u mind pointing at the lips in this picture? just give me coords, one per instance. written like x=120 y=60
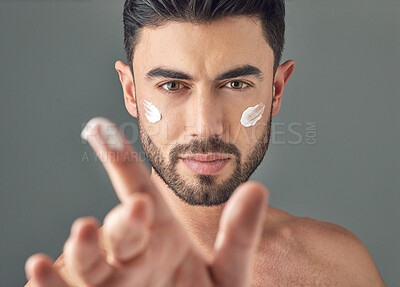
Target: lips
x=205 y=163
x=206 y=157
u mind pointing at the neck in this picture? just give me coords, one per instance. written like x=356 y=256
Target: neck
x=201 y=222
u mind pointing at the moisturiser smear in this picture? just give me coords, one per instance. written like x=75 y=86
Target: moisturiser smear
x=251 y=115
x=152 y=114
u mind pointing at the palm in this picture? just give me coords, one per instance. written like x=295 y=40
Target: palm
x=142 y=244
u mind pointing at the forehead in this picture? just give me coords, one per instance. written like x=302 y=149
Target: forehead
x=204 y=48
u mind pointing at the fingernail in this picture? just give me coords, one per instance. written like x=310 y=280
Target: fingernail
x=138 y=211
x=82 y=232
x=28 y=268
x=88 y=235
x=109 y=133
x=35 y=265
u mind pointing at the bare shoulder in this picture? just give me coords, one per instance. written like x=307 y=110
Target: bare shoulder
x=316 y=253
x=341 y=246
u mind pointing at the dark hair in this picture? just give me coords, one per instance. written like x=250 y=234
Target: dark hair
x=154 y=13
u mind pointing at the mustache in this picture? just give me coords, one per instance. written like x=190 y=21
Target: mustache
x=212 y=144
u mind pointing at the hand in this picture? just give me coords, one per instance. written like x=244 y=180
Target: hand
x=144 y=245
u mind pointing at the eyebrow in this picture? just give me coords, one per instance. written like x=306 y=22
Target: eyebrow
x=246 y=70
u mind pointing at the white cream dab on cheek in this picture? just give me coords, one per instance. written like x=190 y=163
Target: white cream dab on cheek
x=152 y=113
x=251 y=115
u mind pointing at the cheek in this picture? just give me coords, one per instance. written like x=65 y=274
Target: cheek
x=151 y=120
x=249 y=125
x=252 y=115
x=151 y=112
x=170 y=129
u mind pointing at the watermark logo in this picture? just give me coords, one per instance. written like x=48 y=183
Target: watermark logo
x=281 y=133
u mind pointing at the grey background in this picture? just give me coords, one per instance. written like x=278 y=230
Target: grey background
x=57 y=72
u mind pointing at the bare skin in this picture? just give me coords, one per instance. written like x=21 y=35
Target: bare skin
x=259 y=246
x=293 y=251
x=155 y=239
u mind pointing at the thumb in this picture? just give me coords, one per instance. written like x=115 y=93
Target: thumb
x=239 y=235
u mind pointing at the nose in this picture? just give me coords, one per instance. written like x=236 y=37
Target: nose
x=206 y=115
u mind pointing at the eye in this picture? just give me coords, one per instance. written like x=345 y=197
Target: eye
x=170 y=86
x=238 y=85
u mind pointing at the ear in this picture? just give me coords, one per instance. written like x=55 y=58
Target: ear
x=126 y=79
x=282 y=75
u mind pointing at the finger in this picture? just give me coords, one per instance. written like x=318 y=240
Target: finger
x=41 y=273
x=122 y=163
x=193 y=271
x=126 y=229
x=83 y=255
x=239 y=234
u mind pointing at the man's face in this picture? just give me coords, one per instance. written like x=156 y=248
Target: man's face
x=204 y=113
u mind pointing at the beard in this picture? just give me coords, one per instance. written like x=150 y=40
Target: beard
x=204 y=191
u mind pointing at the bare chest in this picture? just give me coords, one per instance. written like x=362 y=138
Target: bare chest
x=289 y=263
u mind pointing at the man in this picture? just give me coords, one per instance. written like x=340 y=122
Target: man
x=204 y=81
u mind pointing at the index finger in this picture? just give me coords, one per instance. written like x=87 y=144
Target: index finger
x=127 y=173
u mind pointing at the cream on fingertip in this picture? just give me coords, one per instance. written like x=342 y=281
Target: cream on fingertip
x=110 y=134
